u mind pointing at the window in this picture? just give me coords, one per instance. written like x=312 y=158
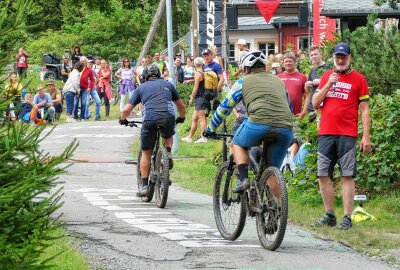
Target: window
x=267 y=48
x=303 y=44
x=231 y=52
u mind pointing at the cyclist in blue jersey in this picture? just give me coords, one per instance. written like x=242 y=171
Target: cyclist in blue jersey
x=267 y=103
x=156 y=96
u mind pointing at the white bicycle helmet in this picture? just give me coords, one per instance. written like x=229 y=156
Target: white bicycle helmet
x=253 y=57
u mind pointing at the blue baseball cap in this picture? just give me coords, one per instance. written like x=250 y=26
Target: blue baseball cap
x=342 y=48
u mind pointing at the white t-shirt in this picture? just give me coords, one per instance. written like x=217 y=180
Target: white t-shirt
x=126 y=73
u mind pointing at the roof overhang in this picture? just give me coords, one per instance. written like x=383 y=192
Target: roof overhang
x=361 y=8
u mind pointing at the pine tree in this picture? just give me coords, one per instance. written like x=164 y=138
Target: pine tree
x=29 y=195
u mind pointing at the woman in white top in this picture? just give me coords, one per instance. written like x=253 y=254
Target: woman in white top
x=72 y=89
x=127 y=75
x=188 y=71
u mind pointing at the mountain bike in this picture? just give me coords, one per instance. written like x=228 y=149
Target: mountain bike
x=266 y=199
x=159 y=171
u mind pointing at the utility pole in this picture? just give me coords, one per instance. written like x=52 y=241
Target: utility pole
x=152 y=32
x=175 y=145
x=195 y=48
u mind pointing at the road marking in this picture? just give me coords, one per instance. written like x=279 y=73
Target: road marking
x=166 y=224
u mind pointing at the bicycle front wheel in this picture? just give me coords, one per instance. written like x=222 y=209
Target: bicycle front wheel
x=149 y=196
x=229 y=211
x=271 y=222
x=162 y=182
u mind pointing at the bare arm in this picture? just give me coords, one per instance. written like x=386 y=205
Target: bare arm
x=305 y=105
x=127 y=110
x=181 y=108
x=365 y=144
x=221 y=81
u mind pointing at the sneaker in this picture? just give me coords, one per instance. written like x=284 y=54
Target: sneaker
x=73 y=120
x=143 y=191
x=201 y=140
x=241 y=185
x=82 y=120
x=327 y=220
x=97 y=119
x=171 y=162
x=186 y=139
x=68 y=120
x=345 y=224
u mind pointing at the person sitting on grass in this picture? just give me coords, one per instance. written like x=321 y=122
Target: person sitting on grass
x=29 y=111
x=45 y=103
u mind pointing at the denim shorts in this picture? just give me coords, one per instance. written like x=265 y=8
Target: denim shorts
x=251 y=134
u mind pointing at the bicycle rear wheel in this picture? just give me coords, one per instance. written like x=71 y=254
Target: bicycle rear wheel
x=271 y=222
x=229 y=211
x=162 y=182
x=149 y=197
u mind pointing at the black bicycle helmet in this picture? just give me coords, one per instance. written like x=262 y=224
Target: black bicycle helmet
x=151 y=71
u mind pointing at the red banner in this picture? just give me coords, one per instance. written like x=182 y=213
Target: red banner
x=323 y=26
x=267 y=8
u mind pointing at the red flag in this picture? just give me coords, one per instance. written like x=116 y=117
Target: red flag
x=267 y=8
x=323 y=27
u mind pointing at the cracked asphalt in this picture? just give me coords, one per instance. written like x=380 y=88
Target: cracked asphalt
x=115 y=230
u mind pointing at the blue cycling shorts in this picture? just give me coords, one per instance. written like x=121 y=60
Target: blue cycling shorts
x=251 y=134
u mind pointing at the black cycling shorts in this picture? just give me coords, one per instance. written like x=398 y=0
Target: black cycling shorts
x=149 y=131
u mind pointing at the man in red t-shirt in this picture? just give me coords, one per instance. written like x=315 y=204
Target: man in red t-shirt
x=295 y=85
x=340 y=92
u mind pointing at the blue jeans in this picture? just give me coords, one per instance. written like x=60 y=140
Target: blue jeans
x=251 y=134
x=83 y=98
x=69 y=99
x=96 y=98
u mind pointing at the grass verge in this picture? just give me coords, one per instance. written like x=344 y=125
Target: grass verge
x=66 y=254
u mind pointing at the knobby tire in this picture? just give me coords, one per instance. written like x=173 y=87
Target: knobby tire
x=230 y=216
x=162 y=183
x=271 y=222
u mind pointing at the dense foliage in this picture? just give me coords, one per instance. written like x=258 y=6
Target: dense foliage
x=375 y=171
x=110 y=29
x=27 y=175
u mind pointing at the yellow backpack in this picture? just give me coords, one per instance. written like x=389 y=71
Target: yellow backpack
x=210 y=84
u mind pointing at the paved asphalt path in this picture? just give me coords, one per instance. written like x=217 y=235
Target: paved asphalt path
x=118 y=231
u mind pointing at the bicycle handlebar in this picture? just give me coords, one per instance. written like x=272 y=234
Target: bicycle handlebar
x=133 y=123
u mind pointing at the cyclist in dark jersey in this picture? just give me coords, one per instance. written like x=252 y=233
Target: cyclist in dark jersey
x=156 y=96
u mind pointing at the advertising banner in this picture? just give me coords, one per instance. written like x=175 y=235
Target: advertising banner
x=210 y=24
x=324 y=27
